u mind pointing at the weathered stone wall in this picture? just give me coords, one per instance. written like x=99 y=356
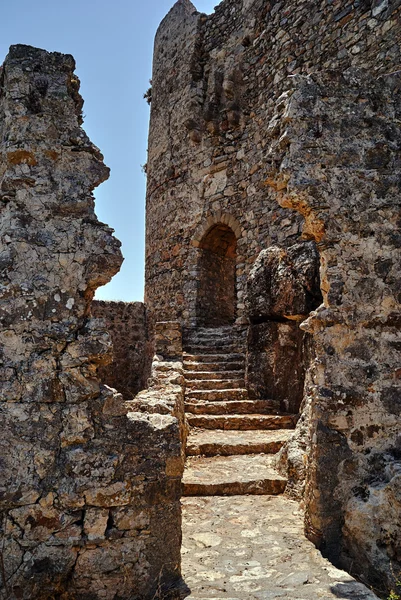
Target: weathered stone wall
x=87 y=484
x=126 y=323
x=335 y=157
x=165 y=394
x=215 y=84
x=217 y=109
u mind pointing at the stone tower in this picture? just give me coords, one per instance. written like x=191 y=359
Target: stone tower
x=216 y=82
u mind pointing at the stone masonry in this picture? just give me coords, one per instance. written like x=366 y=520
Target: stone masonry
x=283 y=288
x=274 y=153
x=335 y=158
x=87 y=482
x=279 y=122
x=216 y=80
x=126 y=323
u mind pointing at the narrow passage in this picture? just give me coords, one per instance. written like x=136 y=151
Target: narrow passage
x=242 y=539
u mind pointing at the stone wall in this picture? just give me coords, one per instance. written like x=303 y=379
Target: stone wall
x=231 y=144
x=339 y=166
x=126 y=323
x=216 y=80
x=87 y=482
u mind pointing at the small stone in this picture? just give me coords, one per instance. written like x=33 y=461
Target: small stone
x=207 y=540
x=95 y=523
x=379 y=8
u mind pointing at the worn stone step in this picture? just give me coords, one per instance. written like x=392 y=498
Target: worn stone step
x=220 y=348
x=215 y=384
x=209 y=375
x=232 y=407
x=214 y=333
x=213 y=358
x=210 y=340
x=232 y=476
x=219 y=395
x=209 y=330
x=217 y=367
x=242 y=422
x=229 y=443
x=218 y=343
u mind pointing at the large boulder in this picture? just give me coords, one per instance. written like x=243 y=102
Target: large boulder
x=284 y=283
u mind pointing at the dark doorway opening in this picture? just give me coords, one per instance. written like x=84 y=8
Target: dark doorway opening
x=216 y=299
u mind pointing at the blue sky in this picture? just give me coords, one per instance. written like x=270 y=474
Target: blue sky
x=112 y=43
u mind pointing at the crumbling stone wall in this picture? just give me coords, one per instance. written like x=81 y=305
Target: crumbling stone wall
x=335 y=153
x=87 y=483
x=126 y=323
x=216 y=80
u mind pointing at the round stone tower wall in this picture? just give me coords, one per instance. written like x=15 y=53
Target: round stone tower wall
x=216 y=82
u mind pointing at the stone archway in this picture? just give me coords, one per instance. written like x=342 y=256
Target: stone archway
x=216 y=292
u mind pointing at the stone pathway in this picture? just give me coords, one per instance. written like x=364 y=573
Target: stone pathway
x=253 y=548
x=241 y=538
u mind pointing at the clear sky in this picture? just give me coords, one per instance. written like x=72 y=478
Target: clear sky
x=112 y=43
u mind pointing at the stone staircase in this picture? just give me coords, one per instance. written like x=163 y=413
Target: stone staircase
x=232 y=439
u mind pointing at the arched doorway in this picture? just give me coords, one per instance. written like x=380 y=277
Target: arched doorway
x=216 y=297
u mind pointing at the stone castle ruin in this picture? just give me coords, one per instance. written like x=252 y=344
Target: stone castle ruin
x=272 y=300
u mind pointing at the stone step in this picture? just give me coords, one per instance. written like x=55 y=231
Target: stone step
x=230 y=443
x=219 y=395
x=213 y=358
x=220 y=348
x=214 y=333
x=209 y=330
x=213 y=367
x=218 y=343
x=215 y=384
x=232 y=407
x=209 y=375
x=208 y=340
x=242 y=422
x=232 y=476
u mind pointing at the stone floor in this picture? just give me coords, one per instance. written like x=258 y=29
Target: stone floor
x=253 y=547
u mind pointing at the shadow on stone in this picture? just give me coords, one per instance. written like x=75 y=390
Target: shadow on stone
x=351 y=589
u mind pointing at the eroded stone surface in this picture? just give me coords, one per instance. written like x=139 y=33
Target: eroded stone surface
x=284 y=283
x=242 y=422
x=350 y=196
x=126 y=323
x=225 y=443
x=282 y=288
x=215 y=83
x=227 y=147
x=86 y=482
x=253 y=548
